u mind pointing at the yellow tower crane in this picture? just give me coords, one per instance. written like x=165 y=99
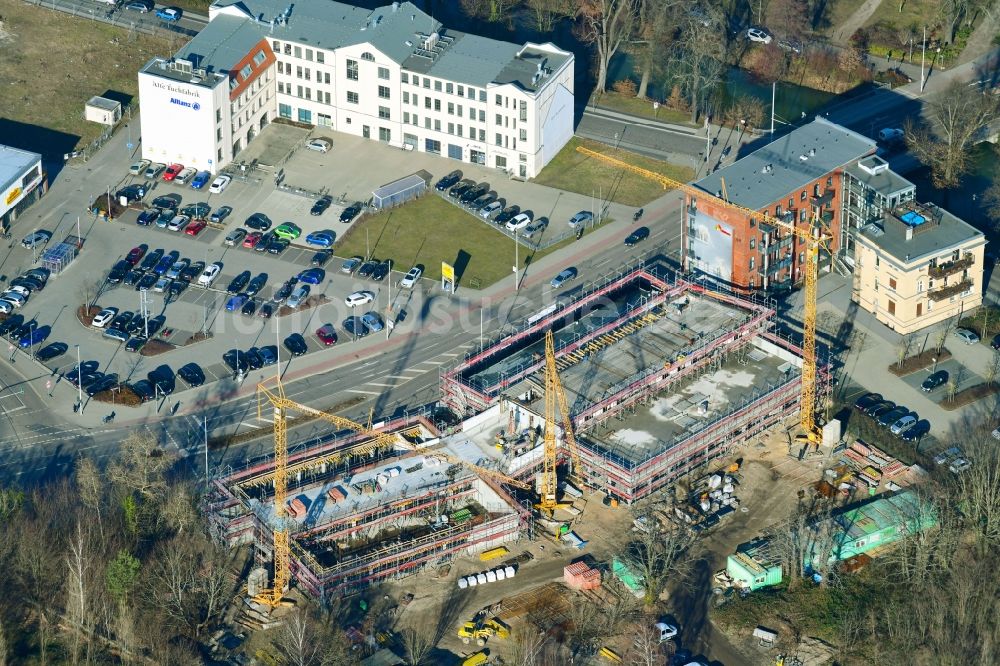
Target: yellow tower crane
x=554 y=393
x=814 y=239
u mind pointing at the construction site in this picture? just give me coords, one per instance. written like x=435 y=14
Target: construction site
x=661 y=376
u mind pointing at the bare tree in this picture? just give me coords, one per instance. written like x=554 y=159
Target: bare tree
x=657 y=554
x=525 y=645
x=3 y=645
x=491 y=10
x=179 y=509
x=992 y=369
x=90 y=487
x=951 y=388
x=141 y=467
x=608 y=25
x=789 y=18
x=88 y=290
x=190 y=583
x=587 y=626
x=547 y=12
x=646 y=649
x=297 y=641
x=656 y=23
x=955 y=118
x=980 y=494
x=991 y=204
x=79 y=593
x=417 y=644
x=699 y=59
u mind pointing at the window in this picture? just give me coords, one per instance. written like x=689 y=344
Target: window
x=459 y=112
x=427 y=102
x=892 y=307
x=451 y=128
x=482 y=95
x=459 y=128
x=451 y=109
x=276 y=46
x=524 y=135
x=499 y=119
x=920 y=286
x=288 y=49
x=298 y=91
x=305 y=116
x=499 y=139
x=384 y=134
x=298 y=72
x=437 y=125
x=427 y=122
x=416 y=80
x=437 y=86
x=326 y=98
x=892 y=283
x=432 y=146
x=281 y=87
x=383 y=112
x=218 y=134
x=281 y=67
x=920 y=309
x=309 y=93
x=802 y=196
x=501 y=161
x=791 y=204
x=368 y=56
x=319 y=57
x=751 y=263
x=449 y=88
x=404 y=77
x=406 y=97
x=427 y=83
x=258 y=58
x=383 y=92
x=309 y=54
x=218 y=115
x=461 y=91
x=298 y=51
x=829 y=181
x=326 y=77
x=246 y=72
x=352 y=70
x=437 y=105
x=753 y=242
x=308 y=74
x=352 y=97
x=498 y=100
x=383 y=73
x=406 y=117
x=482 y=135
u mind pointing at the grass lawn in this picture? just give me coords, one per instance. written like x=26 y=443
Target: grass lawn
x=915 y=14
x=841 y=10
x=575 y=172
x=428 y=231
x=51 y=63
x=640 y=107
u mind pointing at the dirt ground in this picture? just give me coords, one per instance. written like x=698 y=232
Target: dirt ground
x=51 y=63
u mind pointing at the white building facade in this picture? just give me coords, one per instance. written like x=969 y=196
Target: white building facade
x=22 y=182
x=374 y=74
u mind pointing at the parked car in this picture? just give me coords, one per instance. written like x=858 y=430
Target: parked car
x=903 y=422
x=36 y=238
x=219 y=184
x=519 y=221
x=258 y=221
x=146 y=282
x=135 y=343
x=867 y=400
x=172 y=171
x=966 y=336
x=162 y=285
x=351 y=212
x=350 y=265
x=171 y=14
x=489 y=209
x=563 y=277
x=178 y=223
x=482 y=202
x=116 y=334
x=637 y=236
x=265 y=311
x=235 y=302
x=236 y=360
x=319 y=144
x=298 y=295
x=143 y=390
x=758 y=35
x=164 y=218
x=192 y=271
x=138 y=168
x=185 y=175
x=372 y=322
x=235 y=237
x=177 y=268
x=37 y=336
x=916 y=431
x=995 y=342
x=448 y=181
x=167 y=201
x=288 y=231
x=411 y=277
x=200 y=180
x=192 y=374
x=136 y=254
x=327 y=334
x=51 y=351
x=359 y=298
x=220 y=214
x=197 y=211
x=154 y=170
x=147 y=217
x=256 y=284
x=312 y=276
x=252 y=240
x=268 y=355
x=249 y=308
x=583 y=217
x=367 y=268
x=237 y=284
x=151 y=259
x=131 y=193
x=320 y=257
x=534 y=228
x=276 y=246
x=880 y=408
x=195 y=227
x=461 y=188
x=321 y=205
x=104 y=317
x=209 y=275
x=507 y=214
x=934 y=380
x=959 y=466
x=381 y=269
x=322 y=238
x=885 y=419
x=105 y=383
x=162 y=378
x=118 y=271
x=355 y=327
x=296 y=344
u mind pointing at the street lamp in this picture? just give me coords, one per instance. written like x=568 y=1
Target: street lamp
x=79 y=378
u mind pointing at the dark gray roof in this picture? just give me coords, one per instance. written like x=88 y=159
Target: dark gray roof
x=221 y=44
x=886 y=182
x=943 y=232
x=398 y=31
x=749 y=185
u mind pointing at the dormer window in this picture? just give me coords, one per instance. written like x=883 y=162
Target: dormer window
x=367 y=56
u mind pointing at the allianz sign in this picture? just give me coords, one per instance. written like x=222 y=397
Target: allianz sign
x=191 y=105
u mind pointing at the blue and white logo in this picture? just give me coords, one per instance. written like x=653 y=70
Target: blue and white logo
x=191 y=105
x=196 y=106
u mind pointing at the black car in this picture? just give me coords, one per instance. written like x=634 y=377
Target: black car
x=367 y=268
x=238 y=283
x=355 y=327
x=51 y=351
x=916 y=431
x=144 y=390
x=11 y=323
x=151 y=259
x=192 y=271
x=91 y=377
x=934 y=380
x=381 y=270
x=296 y=344
x=321 y=257
x=122 y=320
x=461 y=188
x=24 y=329
x=507 y=214
x=321 y=205
x=29 y=283
x=118 y=271
x=192 y=375
x=482 y=202
x=135 y=343
x=268 y=355
x=103 y=384
x=448 y=181
x=132 y=193
x=84 y=369
x=474 y=193
x=176 y=287
x=236 y=360
x=995 y=342
x=132 y=277
x=163 y=380
x=253 y=358
x=136 y=326
x=880 y=408
x=277 y=246
x=351 y=212
x=221 y=214
x=284 y=292
x=147 y=217
x=167 y=202
x=197 y=211
x=265 y=311
x=637 y=236
x=249 y=307
x=867 y=400
x=258 y=221
x=264 y=241
x=256 y=284
x=156 y=323
x=146 y=282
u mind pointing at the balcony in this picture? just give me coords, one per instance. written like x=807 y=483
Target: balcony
x=823 y=199
x=949 y=291
x=951 y=267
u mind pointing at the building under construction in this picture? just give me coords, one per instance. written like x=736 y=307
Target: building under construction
x=661 y=376
x=358 y=515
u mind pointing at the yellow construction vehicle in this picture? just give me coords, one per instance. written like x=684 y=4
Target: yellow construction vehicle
x=814 y=238
x=480 y=631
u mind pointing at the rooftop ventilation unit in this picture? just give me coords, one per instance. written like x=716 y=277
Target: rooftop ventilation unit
x=395 y=7
x=812 y=152
x=182 y=66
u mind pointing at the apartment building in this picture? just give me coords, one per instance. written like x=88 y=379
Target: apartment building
x=795 y=178
x=918 y=265
x=393 y=75
x=870 y=188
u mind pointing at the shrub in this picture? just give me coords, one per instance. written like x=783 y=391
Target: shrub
x=625 y=87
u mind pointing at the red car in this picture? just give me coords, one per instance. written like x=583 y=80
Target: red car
x=195 y=228
x=326 y=334
x=252 y=239
x=172 y=171
x=136 y=253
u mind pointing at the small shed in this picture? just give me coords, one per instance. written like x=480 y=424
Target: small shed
x=103 y=110
x=57 y=258
x=398 y=192
x=751 y=567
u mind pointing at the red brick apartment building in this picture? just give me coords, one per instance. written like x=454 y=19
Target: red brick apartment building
x=789 y=178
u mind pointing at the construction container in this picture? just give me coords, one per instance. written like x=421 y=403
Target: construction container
x=501 y=574
x=493 y=553
x=481 y=579
x=336 y=494
x=382 y=478
x=462 y=583
x=491 y=577
x=297 y=508
x=509 y=571
x=572 y=491
x=472 y=581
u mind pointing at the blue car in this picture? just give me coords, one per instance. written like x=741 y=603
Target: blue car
x=322 y=239
x=169 y=13
x=236 y=302
x=312 y=276
x=200 y=180
x=35 y=337
x=147 y=217
x=166 y=262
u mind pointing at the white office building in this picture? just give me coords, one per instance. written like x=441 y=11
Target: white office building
x=393 y=75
